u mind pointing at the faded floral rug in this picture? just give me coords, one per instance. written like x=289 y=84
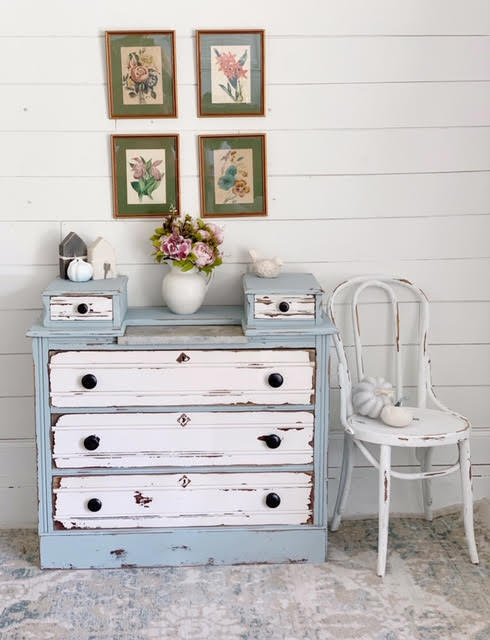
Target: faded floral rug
x=430 y=592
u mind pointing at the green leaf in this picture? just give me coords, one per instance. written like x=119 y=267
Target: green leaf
x=243 y=59
x=136 y=187
x=148 y=164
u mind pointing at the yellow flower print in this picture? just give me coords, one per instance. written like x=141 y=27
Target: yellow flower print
x=146 y=59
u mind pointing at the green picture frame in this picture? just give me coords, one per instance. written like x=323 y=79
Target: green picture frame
x=145 y=175
x=233 y=175
x=230 y=73
x=141 y=74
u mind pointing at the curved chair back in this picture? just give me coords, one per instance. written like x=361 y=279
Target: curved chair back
x=348 y=296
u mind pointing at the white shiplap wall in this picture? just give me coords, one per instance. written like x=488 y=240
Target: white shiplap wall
x=378 y=131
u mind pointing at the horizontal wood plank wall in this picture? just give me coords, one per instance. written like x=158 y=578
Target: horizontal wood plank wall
x=378 y=125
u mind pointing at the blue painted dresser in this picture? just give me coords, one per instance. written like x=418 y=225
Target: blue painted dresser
x=180 y=440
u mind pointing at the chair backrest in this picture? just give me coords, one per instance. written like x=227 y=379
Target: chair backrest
x=385 y=321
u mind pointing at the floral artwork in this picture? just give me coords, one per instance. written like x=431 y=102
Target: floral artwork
x=233 y=176
x=141 y=69
x=145 y=172
x=230 y=74
x=141 y=80
x=188 y=242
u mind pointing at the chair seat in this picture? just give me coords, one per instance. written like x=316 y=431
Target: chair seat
x=429 y=428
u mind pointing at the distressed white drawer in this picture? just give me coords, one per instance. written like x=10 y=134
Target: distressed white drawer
x=284 y=306
x=80 y=308
x=183 y=439
x=179 y=500
x=139 y=378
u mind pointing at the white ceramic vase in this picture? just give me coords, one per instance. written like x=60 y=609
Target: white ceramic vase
x=183 y=291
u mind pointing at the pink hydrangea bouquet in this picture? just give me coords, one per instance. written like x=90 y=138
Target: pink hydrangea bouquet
x=188 y=242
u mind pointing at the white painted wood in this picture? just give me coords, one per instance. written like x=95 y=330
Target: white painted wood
x=66 y=308
x=457 y=280
x=390 y=151
x=465 y=461
x=376 y=59
x=300 y=307
x=468 y=401
x=17 y=418
x=384 y=490
x=292 y=197
x=191 y=499
x=344 y=106
x=451 y=323
x=16 y=375
x=138 y=378
x=33 y=243
x=13 y=327
x=379 y=17
x=184 y=439
x=356 y=240
x=429 y=428
x=345 y=482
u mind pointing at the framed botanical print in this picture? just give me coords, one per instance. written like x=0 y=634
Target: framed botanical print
x=145 y=175
x=230 y=73
x=141 y=74
x=233 y=175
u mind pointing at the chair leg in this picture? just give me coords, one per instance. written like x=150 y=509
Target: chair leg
x=345 y=480
x=465 y=464
x=426 y=465
x=384 y=506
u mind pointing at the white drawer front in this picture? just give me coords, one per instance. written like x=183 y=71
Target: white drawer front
x=284 y=306
x=139 y=378
x=181 y=500
x=80 y=308
x=183 y=439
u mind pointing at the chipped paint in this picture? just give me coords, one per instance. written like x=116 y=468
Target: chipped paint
x=143 y=501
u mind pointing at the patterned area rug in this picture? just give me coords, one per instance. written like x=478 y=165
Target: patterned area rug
x=431 y=592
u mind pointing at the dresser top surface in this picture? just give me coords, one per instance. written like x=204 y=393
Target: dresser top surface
x=287 y=283
x=60 y=286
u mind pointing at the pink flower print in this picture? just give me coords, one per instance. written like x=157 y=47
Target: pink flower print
x=139 y=73
x=204 y=254
x=139 y=168
x=176 y=246
x=228 y=64
x=156 y=173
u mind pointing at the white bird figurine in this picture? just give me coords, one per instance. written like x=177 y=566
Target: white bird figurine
x=265 y=267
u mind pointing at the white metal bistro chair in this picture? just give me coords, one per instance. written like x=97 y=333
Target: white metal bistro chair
x=430 y=427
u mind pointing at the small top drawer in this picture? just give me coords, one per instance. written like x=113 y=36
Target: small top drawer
x=80 y=308
x=77 y=304
x=281 y=306
x=289 y=302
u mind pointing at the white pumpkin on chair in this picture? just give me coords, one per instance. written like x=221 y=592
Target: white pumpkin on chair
x=370 y=395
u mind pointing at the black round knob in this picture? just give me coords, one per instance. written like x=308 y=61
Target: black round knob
x=284 y=306
x=275 y=380
x=272 y=500
x=91 y=442
x=82 y=308
x=272 y=440
x=94 y=504
x=89 y=381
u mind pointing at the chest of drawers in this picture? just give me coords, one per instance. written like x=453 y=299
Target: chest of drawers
x=180 y=440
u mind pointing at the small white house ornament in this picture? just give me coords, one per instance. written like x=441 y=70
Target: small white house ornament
x=265 y=267
x=79 y=270
x=102 y=257
x=370 y=395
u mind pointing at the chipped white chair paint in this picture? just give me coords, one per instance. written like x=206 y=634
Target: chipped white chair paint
x=430 y=428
